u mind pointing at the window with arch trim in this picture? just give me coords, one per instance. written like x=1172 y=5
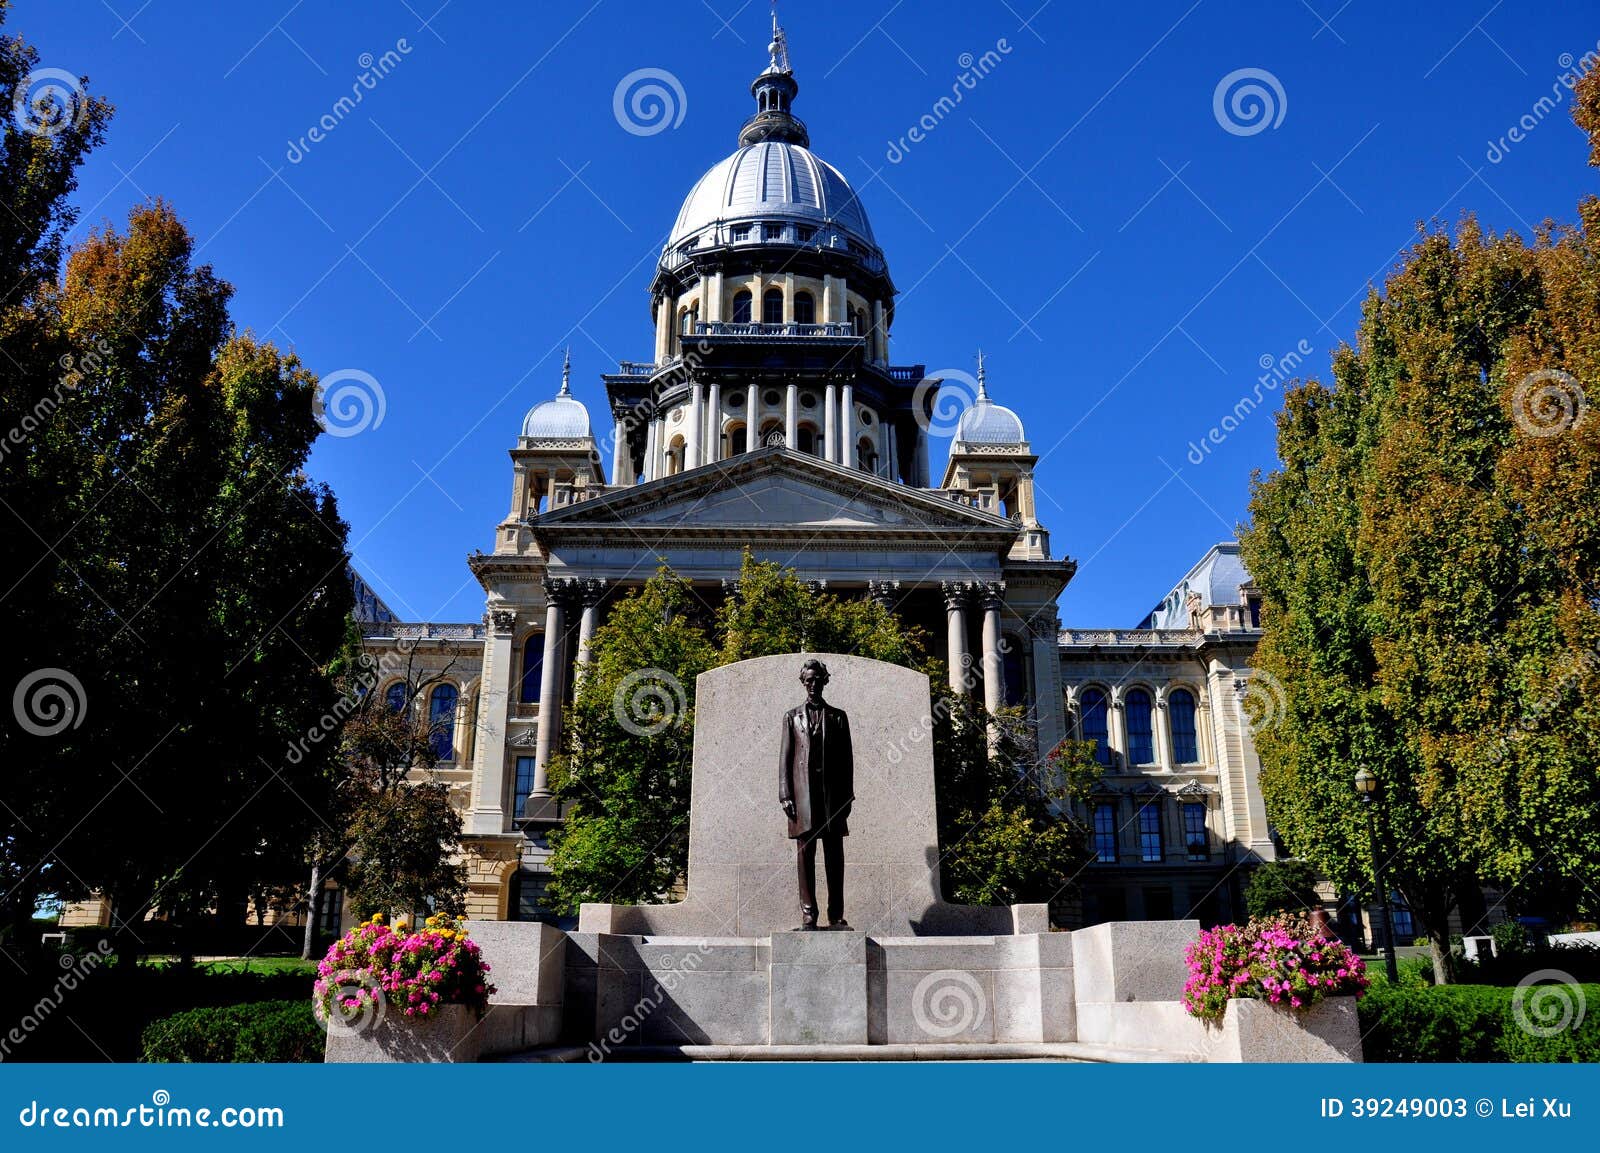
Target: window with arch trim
x=1095 y=724
x=532 y=669
x=397 y=697
x=442 y=720
x=741 y=306
x=1141 y=732
x=1185 y=737
x=805 y=308
x=772 y=306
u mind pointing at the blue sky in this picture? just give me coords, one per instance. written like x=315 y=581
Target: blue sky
x=1126 y=255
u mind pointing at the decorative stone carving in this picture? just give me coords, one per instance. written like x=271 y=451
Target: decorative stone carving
x=883 y=592
x=501 y=620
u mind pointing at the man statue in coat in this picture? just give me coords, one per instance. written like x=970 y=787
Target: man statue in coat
x=816 y=786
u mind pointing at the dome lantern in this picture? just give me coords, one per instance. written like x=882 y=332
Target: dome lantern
x=562 y=418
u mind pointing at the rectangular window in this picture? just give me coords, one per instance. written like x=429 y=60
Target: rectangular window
x=524 y=785
x=332 y=910
x=772 y=232
x=804 y=233
x=1150 y=832
x=1105 y=832
x=741 y=232
x=1194 y=831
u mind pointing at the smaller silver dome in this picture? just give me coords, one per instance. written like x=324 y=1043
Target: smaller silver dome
x=987 y=422
x=562 y=418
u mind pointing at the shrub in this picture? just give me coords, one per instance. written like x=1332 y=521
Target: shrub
x=276 y=1031
x=415 y=972
x=1481 y=1023
x=1286 y=886
x=1284 y=960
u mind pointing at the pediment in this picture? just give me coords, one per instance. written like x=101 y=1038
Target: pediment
x=776 y=488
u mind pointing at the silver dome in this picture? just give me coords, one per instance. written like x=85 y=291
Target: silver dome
x=561 y=418
x=772 y=180
x=989 y=423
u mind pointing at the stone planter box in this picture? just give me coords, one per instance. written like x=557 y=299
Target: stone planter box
x=451 y=1033
x=1259 y=1031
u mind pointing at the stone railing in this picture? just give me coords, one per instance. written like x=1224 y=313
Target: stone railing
x=1130 y=636
x=422 y=631
x=744 y=328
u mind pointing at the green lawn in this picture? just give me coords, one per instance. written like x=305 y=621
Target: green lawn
x=263 y=965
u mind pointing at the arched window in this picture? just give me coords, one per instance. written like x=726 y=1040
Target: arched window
x=866 y=455
x=1015 y=672
x=683 y=322
x=675 y=454
x=398 y=697
x=772 y=306
x=1095 y=724
x=805 y=308
x=1180 y=708
x=808 y=439
x=741 y=306
x=442 y=721
x=1141 y=734
x=738 y=441
x=532 y=668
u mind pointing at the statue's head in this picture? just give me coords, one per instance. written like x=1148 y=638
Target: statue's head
x=814 y=676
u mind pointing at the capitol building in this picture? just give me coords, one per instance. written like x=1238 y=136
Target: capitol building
x=772 y=415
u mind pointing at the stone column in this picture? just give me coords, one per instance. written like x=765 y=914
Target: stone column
x=519 y=490
x=788 y=298
x=713 y=439
x=956 y=595
x=1163 y=727
x=880 y=338
x=830 y=422
x=752 y=418
x=651 y=468
x=551 y=682
x=488 y=815
x=713 y=304
x=921 y=478
x=664 y=319
x=1050 y=709
x=619 y=450
x=791 y=416
x=994 y=669
x=1117 y=724
x=891 y=451
x=883 y=592
x=590 y=591
x=847 y=426
x=696 y=426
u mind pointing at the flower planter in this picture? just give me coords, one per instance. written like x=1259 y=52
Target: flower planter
x=449 y=1033
x=1254 y=1030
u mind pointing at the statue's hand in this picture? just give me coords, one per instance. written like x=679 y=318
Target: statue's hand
x=788 y=809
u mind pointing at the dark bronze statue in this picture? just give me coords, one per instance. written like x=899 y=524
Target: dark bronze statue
x=816 y=787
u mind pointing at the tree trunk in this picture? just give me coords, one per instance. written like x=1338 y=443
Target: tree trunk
x=313 y=911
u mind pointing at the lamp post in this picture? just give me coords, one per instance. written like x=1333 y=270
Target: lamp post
x=1367 y=790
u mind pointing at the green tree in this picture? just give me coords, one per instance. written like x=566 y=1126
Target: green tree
x=1283 y=886
x=626 y=773
x=185 y=576
x=1427 y=555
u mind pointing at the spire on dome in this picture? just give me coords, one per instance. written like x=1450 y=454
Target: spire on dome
x=566 y=374
x=983 y=380
x=775 y=90
x=779 y=48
